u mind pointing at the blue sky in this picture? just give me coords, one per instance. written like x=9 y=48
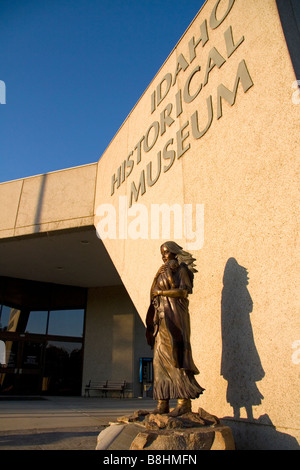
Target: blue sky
x=73 y=70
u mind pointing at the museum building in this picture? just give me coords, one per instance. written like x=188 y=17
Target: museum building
x=207 y=158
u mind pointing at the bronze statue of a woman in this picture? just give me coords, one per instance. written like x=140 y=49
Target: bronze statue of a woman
x=168 y=331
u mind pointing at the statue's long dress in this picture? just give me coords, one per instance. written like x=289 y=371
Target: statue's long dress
x=168 y=324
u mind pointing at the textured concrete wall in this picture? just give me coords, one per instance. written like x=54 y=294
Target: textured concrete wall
x=53 y=201
x=242 y=167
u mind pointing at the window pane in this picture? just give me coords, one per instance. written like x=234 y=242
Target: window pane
x=37 y=322
x=9 y=318
x=66 y=322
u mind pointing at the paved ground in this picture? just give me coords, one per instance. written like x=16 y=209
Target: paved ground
x=60 y=423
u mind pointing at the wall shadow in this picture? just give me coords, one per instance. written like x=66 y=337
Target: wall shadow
x=240 y=364
x=289 y=12
x=39 y=207
x=260 y=434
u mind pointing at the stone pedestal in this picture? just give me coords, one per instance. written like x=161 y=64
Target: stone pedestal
x=146 y=431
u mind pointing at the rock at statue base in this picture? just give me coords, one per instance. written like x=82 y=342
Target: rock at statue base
x=146 y=431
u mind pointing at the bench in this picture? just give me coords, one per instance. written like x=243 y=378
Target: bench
x=106 y=386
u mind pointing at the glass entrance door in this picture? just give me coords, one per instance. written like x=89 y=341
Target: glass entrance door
x=43 y=351
x=23 y=371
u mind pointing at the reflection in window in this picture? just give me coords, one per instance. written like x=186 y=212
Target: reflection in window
x=9 y=318
x=11 y=353
x=4 y=317
x=66 y=322
x=32 y=353
x=37 y=322
x=55 y=322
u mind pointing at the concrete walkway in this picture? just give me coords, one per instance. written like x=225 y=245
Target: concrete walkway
x=60 y=423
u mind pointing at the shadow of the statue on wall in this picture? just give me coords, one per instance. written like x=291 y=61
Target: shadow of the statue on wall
x=260 y=435
x=241 y=365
